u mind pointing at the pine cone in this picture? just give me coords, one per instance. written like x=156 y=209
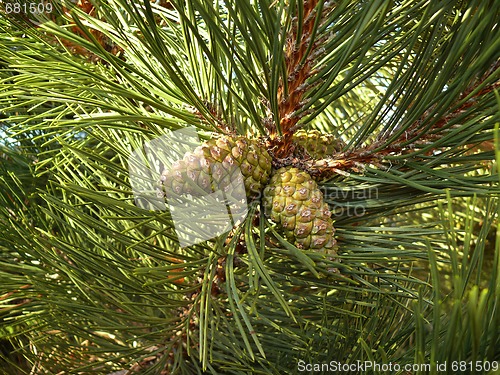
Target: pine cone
x=317 y=144
x=293 y=201
x=211 y=166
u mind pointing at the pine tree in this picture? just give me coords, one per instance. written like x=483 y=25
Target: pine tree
x=386 y=110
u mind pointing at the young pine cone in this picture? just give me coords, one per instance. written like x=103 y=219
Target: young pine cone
x=317 y=144
x=293 y=201
x=211 y=167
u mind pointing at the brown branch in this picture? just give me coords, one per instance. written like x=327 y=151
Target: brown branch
x=9 y=294
x=342 y=163
x=356 y=160
x=215 y=118
x=298 y=67
x=76 y=49
x=428 y=135
x=301 y=54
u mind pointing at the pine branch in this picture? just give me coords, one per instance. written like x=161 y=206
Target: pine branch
x=302 y=51
x=417 y=135
x=415 y=138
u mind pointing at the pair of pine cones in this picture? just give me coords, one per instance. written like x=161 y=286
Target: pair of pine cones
x=291 y=197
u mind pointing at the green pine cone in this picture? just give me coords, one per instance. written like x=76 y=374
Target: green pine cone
x=211 y=167
x=317 y=144
x=293 y=201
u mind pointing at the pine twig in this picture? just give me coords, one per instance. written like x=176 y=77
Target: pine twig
x=426 y=136
x=374 y=154
x=302 y=50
